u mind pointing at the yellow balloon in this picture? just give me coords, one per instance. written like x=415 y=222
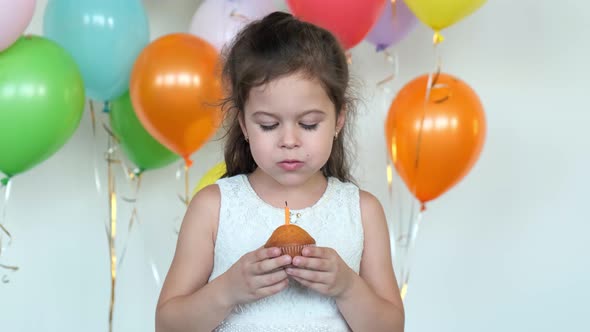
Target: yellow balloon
x=212 y=175
x=439 y=14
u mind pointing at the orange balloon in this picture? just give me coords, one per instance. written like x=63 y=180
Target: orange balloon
x=174 y=87
x=434 y=143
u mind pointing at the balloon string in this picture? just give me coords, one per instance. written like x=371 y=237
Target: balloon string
x=112 y=229
x=182 y=172
x=185 y=174
x=134 y=176
x=4 y=230
x=186 y=186
x=394 y=61
x=395 y=199
x=94 y=121
x=92 y=116
x=238 y=16
x=133 y=219
x=408 y=239
x=409 y=255
x=432 y=81
x=390 y=173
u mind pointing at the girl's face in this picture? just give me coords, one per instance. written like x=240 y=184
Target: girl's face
x=290 y=123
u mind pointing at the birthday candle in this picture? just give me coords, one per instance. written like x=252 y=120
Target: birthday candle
x=287 y=214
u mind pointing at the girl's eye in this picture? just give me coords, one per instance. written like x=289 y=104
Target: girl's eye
x=309 y=126
x=268 y=127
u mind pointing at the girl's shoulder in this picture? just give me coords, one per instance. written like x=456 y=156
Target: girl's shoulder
x=369 y=202
x=206 y=201
x=372 y=212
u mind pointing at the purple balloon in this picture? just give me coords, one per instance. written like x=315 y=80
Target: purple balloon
x=393 y=25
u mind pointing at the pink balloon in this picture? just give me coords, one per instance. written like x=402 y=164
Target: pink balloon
x=218 y=21
x=15 y=16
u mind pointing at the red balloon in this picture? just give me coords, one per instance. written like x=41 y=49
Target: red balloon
x=349 y=20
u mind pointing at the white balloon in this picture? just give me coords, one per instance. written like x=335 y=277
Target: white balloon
x=218 y=21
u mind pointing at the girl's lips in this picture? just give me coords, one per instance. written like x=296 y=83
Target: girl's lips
x=290 y=165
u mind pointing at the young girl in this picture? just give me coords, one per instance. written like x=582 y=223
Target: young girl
x=287 y=102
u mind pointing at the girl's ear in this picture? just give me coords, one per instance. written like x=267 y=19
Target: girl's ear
x=340 y=120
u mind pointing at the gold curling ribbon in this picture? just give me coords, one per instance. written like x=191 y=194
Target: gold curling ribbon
x=112 y=230
x=409 y=240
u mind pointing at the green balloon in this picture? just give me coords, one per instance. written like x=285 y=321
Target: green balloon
x=139 y=146
x=41 y=102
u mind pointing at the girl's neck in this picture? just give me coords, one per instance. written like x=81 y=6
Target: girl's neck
x=298 y=197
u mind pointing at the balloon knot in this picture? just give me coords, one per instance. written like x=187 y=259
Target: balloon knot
x=437 y=38
x=188 y=162
x=380 y=47
x=422 y=207
x=5 y=181
x=107 y=107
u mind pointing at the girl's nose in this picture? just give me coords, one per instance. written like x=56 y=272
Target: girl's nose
x=289 y=138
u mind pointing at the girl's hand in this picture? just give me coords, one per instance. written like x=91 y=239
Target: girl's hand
x=322 y=270
x=256 y=275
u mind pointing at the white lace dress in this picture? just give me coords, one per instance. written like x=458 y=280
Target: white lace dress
x=246 y=222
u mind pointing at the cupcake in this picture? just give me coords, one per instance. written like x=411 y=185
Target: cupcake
x=291 y=239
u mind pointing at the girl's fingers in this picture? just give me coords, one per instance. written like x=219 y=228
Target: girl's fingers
x=310 y=275
x=270 y=278
x=265 y=253
x=313 y=251
x=270 y=265
x=317 y=264
x=272 y=289
x=320 y=288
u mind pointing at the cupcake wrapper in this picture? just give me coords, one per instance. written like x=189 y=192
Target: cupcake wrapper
x=294 y=250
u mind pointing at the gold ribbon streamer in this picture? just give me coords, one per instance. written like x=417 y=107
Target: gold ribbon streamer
x=133 y=219
x=392 y=59
x=94 y=146
x=407 y=240
x=186 y=199
x=111 y=159
x=111 y=226
x=186 y=186
x=112 y=229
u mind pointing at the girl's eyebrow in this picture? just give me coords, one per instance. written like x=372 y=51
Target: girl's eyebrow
x=263 y=113
x=316 y=111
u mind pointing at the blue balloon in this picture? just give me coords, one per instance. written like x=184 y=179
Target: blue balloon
x=104 y=37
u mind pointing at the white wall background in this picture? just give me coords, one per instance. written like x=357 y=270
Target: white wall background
x=505 y=250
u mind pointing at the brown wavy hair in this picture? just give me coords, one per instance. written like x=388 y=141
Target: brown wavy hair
x=273 y=47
